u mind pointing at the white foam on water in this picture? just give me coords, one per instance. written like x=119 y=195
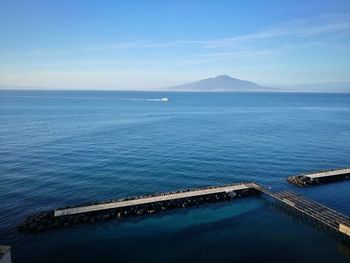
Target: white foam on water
x=88 y=98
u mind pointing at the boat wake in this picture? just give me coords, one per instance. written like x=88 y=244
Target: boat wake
x=162 y=99
x=88 y=98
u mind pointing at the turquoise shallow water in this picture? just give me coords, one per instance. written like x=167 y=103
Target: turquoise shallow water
x=66 y=147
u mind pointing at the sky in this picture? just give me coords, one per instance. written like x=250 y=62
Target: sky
x=84 y=44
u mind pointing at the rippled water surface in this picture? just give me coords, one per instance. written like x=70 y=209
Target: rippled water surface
x=65 y=147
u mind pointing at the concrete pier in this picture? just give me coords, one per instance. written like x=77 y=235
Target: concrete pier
x=321 y=177
x=312 y=210
x=134 y=206
x=142 y=205
x=5 y=254
x=152 y=199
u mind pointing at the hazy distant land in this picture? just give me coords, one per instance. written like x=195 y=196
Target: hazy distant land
x=222 y=83
x=229 y=84
x=336 y=87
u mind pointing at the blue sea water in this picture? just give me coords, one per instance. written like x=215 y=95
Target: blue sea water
x=60 y=148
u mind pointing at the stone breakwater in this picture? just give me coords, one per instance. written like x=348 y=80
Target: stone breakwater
x=321 y=177
x=144 y=205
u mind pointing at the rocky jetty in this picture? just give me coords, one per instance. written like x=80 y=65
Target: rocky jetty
x=46 y=220
x=300 y=180
x=321 y=177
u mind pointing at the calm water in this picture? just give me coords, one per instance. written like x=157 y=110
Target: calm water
x=61 y=148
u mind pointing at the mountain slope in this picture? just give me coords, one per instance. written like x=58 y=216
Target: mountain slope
x=221 y=83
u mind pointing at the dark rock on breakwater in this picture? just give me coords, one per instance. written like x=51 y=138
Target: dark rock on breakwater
x=305 y=180
x=300 y=180
x=46 y=220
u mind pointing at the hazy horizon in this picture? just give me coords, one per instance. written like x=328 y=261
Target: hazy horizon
x=327 y=87
x=152 y=45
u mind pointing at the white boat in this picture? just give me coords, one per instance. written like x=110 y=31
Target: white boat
x=164 y=99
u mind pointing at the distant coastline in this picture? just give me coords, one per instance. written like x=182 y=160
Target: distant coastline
x=220 y=83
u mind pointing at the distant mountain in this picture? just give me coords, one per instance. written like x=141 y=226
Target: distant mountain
x=328 y=87
x=221 y=83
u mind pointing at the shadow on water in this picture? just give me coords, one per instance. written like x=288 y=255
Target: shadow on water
x=344 y=248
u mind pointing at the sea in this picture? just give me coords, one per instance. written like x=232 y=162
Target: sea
x=60 y=148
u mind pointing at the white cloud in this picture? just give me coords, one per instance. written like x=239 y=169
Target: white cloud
x=295 y=28
x=309 y=27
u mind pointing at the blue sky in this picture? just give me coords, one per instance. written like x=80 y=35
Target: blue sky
x=84 y=44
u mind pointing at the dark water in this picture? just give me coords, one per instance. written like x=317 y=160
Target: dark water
x=61 y=148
